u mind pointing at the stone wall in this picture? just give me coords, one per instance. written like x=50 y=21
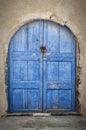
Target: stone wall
x=15 y=13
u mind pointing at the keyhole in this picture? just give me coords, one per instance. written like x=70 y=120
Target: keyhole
x=43 y=49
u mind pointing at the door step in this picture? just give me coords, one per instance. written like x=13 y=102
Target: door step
x=41 y=114
x=45 y=114
x=29 y=114
x=65 y=114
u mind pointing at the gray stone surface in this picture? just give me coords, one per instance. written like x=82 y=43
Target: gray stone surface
x=43 y=123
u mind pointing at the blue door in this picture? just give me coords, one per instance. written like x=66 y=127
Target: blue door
x=42 y=68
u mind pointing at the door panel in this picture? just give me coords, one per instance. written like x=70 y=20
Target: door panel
x=58 y=100
x=33 y=71
x=18 y=95
x=42 y=81
x=61 y=88
x=20 y=70
x=20 y=40
x=51 y=36
x=65 y=40
x=24 y=99
x=52 y=71
x=25 y=70
x=52 y=99
x=59 y=70
x=65 y=100
x=65 y=71
x=34 y=36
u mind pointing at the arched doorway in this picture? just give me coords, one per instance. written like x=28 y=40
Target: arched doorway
x=42 y=68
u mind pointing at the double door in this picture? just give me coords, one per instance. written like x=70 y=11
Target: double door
x=42 y=69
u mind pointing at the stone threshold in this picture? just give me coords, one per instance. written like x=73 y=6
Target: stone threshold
x=44 y=114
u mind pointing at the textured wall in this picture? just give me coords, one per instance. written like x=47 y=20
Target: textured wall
x=15 y=13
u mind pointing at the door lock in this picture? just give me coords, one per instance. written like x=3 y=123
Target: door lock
x=43 y=49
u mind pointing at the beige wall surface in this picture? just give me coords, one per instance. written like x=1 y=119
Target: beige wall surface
x=15 y=13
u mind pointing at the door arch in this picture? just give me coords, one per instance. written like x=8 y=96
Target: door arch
x=42 y=68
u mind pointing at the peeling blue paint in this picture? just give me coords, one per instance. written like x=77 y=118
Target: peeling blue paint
x=42 y=80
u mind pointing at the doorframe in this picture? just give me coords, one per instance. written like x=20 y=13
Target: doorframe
x=78 y=57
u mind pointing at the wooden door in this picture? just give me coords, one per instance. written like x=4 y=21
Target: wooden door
x=42 y=68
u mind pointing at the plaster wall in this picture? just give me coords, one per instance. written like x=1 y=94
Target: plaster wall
x=15 y=13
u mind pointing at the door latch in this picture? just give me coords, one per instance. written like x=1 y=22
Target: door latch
x=43 y=49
